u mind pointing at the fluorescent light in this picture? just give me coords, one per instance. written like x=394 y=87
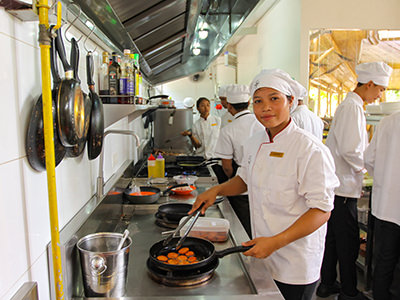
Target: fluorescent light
x=196 y=45
x=203 y=34
x=196 y=51
x=388 y=34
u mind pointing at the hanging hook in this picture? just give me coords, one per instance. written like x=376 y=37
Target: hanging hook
x=69 y=26
x=86 y=38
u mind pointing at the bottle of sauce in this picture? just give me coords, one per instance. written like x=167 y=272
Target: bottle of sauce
x=151 y=166
x=160 y=166
x=103 y=76
x=114 y=74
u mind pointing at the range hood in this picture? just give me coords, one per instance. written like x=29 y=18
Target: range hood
x=167 y=34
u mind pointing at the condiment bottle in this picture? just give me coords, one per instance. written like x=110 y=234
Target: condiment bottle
x=151 y=166
x=160 y=166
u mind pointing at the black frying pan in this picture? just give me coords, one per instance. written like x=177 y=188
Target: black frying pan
x=173 y=212
x=203 y=249
x=96 y=124
x=194 y=164
x=70 y=104
x=148 y=199
x=34 y=144
x=77 y=149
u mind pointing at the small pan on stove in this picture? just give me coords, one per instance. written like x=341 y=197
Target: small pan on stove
x=147 y=194
x=194 y=164
x=204 y=251
x=173 y=212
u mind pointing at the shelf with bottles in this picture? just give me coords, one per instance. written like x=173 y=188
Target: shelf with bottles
x=123 y=99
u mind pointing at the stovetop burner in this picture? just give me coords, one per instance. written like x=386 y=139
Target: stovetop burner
x=183 y=278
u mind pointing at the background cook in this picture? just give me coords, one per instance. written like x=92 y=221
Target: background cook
x=290 y=177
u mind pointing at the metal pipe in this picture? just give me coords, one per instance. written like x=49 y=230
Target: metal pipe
x=100 y=178
x=44 y=41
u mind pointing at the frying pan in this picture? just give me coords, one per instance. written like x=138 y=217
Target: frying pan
x=77 y=149
x=148 y=199
x=203 y=249
x=193 y=164
x=34 y=145
x=96 y=124
x=70 y=103
x=173 y=212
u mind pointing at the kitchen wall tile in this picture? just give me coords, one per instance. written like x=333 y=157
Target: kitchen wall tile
x=13 y=227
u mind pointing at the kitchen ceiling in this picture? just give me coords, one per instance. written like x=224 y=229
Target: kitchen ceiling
x=166 y=33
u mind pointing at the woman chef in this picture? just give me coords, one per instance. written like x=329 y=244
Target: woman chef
x=290 y=177
x=205 y=132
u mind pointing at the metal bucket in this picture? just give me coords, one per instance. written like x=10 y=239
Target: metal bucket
x=104 y=270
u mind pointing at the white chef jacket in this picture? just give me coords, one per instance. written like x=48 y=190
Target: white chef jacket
x=226 y=118
x=285 y=178
x=347 y=140
x=309 y=121
x=232 y=136
x=383 y=163
x=207 y=132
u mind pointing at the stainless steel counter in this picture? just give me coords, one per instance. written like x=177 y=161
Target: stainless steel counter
x=231 y=278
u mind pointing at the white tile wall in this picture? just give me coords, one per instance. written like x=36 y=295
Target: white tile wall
x=24 y=210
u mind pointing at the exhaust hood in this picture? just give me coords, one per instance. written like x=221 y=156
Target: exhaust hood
x=174 y=38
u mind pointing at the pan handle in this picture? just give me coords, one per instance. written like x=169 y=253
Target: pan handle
x=53 y=60
x=231 y=250
x=74 y=58
x=174 y=186
x=61 y=52
x=89 y=70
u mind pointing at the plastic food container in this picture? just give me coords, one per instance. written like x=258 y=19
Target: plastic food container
x=212 y=229
x=189 y=179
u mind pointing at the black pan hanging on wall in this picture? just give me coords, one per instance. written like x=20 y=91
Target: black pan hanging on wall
x=34 y=144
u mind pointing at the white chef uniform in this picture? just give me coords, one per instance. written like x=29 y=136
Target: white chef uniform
x=285 y=178
x=232 y=137
x=347 y=140
x=383 y=163
x=207 y=132
x=226 y=118
x=309 y=121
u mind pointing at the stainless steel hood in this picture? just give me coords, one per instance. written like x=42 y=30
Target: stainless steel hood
x=165 y=33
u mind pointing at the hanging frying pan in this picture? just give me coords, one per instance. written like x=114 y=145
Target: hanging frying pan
x=203 y=250
x=77 y=149
x=96 y=124
x=34 y=144
x=70 y=103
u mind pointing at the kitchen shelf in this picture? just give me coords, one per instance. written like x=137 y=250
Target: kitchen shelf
x=115 y=112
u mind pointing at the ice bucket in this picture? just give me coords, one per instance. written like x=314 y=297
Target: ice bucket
x=104 y=270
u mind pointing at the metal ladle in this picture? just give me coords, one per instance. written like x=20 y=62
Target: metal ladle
x=124 y=237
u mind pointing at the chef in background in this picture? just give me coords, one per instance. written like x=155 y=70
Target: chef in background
x=382 y=162
x=226 y=117
x=205 y=132
x=305 y=118
x=347 y=140
x=189 y=103
x=290 y=177
x=230 y=144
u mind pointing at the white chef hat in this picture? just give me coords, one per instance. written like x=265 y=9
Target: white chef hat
x=237 y=93
x=188 y=102
x=276 y=79
x=222 y=91
x=378 y=72
x=300 y=91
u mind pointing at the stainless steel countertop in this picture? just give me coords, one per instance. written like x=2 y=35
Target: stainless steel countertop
x=232 y=277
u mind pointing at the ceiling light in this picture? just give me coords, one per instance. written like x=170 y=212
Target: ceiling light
x=196 y=44
x=89 y=24
x=203 y=34
x=196 y=51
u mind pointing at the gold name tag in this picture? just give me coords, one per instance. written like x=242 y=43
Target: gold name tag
x=276 y=154
x=214 y=124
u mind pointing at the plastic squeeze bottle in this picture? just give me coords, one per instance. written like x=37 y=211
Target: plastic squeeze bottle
x=151 y=166
x=160 y=166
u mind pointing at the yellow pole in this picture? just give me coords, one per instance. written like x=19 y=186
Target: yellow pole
x=44 y=40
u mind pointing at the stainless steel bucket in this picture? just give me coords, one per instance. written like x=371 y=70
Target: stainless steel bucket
x=104 y=270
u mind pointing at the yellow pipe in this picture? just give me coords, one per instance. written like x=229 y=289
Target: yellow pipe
x=49 y=146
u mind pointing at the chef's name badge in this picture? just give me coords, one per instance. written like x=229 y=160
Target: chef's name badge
x=276 y=154
x=214 y=124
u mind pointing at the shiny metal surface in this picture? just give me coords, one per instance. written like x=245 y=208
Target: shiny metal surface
x=28 y=291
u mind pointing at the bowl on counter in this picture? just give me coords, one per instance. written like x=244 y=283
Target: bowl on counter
x=189 y=179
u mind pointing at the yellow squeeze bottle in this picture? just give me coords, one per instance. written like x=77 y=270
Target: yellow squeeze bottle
x=151 y=166
x=160 y=166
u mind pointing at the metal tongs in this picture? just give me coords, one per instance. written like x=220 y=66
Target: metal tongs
x=175 y=233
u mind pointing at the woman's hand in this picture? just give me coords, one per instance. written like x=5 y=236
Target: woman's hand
x=186 y=133
x=262 y=247
x=208 y=198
